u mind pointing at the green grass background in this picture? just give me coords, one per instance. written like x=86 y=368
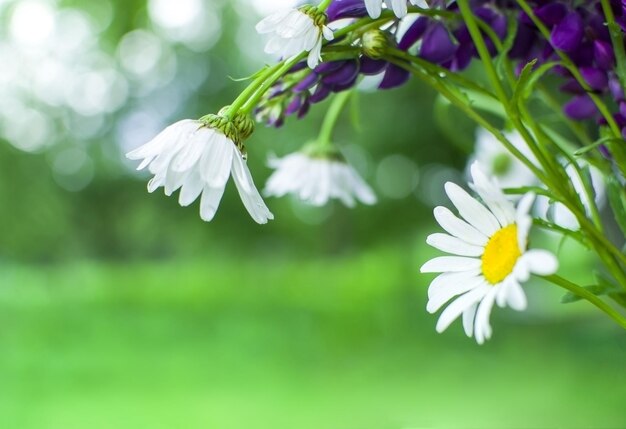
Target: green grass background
x=289 y=342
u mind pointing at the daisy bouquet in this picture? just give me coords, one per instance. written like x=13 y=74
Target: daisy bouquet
x=509 y=66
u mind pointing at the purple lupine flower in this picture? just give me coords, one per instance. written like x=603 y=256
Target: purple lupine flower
x=580 y=107
x=394 y=76
x=340 y=9
x=437 y=45
x=568 y=34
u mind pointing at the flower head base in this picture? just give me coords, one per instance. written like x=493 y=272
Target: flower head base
x=295 y=31
x=491 y=258
x=315 y=177
x=197 y=157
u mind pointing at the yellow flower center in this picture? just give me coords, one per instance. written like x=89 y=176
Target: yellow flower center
x=501 y=254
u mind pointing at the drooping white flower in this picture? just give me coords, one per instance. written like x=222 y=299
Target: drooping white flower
x=491 y=260
x=562 y=216
x=294 y=31
x=315 y=180
x=496 y=161
x=198 y=159
x=399 y=7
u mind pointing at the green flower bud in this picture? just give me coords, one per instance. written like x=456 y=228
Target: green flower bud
x=375 y=43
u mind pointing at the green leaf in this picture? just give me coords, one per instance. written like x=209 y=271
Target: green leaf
x=617 y=199
x=570 y=297
x=486 y=104
x=603 y=140
x=605 y=286
x=522 y=82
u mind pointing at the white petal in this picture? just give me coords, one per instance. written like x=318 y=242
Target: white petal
x=248 y=192
x=191 y=189
x=216 y=162
x=444 y=264
x=471 y=210
x=541 y=262
x=443 y=295
x=210 y=201
x=468 y=320
x=443 y=281
x=374 y=7
x=515 y=297
x=458 y=228
x=482 y=328
x=492 y=196
x=398 y=7
x=458 y=306
x=456 y=246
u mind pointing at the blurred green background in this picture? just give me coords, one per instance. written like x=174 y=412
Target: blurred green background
x=119 y=309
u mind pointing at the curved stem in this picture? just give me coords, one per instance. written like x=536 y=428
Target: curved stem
x=250 y=90
x=326 y=132
x=585 y=294
x=270 y=80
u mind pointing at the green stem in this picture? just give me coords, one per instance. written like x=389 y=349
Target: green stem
x=250 y=90
x=483 y=52
x=324 y=5
x=585 y=294
x=617 y=39
x=330 y=120
x=471 y=113
x=256 y=95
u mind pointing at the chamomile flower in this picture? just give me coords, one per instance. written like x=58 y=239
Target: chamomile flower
x=496 y=161
x=490 y=256
x=198 y=158
x=317 y=178
x=399 y=7
x=295 y=31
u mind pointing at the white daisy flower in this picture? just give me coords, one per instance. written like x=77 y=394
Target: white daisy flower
x=295 y=31
x=399 y=7
x=561 y=215
x=315 y=180
x=496 y=161
x=198 y=159
x=490 y=259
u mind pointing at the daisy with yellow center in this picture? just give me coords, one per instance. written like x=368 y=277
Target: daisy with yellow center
x=491 y=259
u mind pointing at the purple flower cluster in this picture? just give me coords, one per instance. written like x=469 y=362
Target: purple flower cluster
x=577 y=29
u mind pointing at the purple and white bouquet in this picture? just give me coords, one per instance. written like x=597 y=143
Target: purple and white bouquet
x=498 y=62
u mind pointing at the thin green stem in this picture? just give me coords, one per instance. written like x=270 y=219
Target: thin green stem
x=324 y=5
x=257 y=83
x=585 y=294
x=456 y=100
x=256 y=95
x=483 y=52
x=617 y=38
x=332 y=115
